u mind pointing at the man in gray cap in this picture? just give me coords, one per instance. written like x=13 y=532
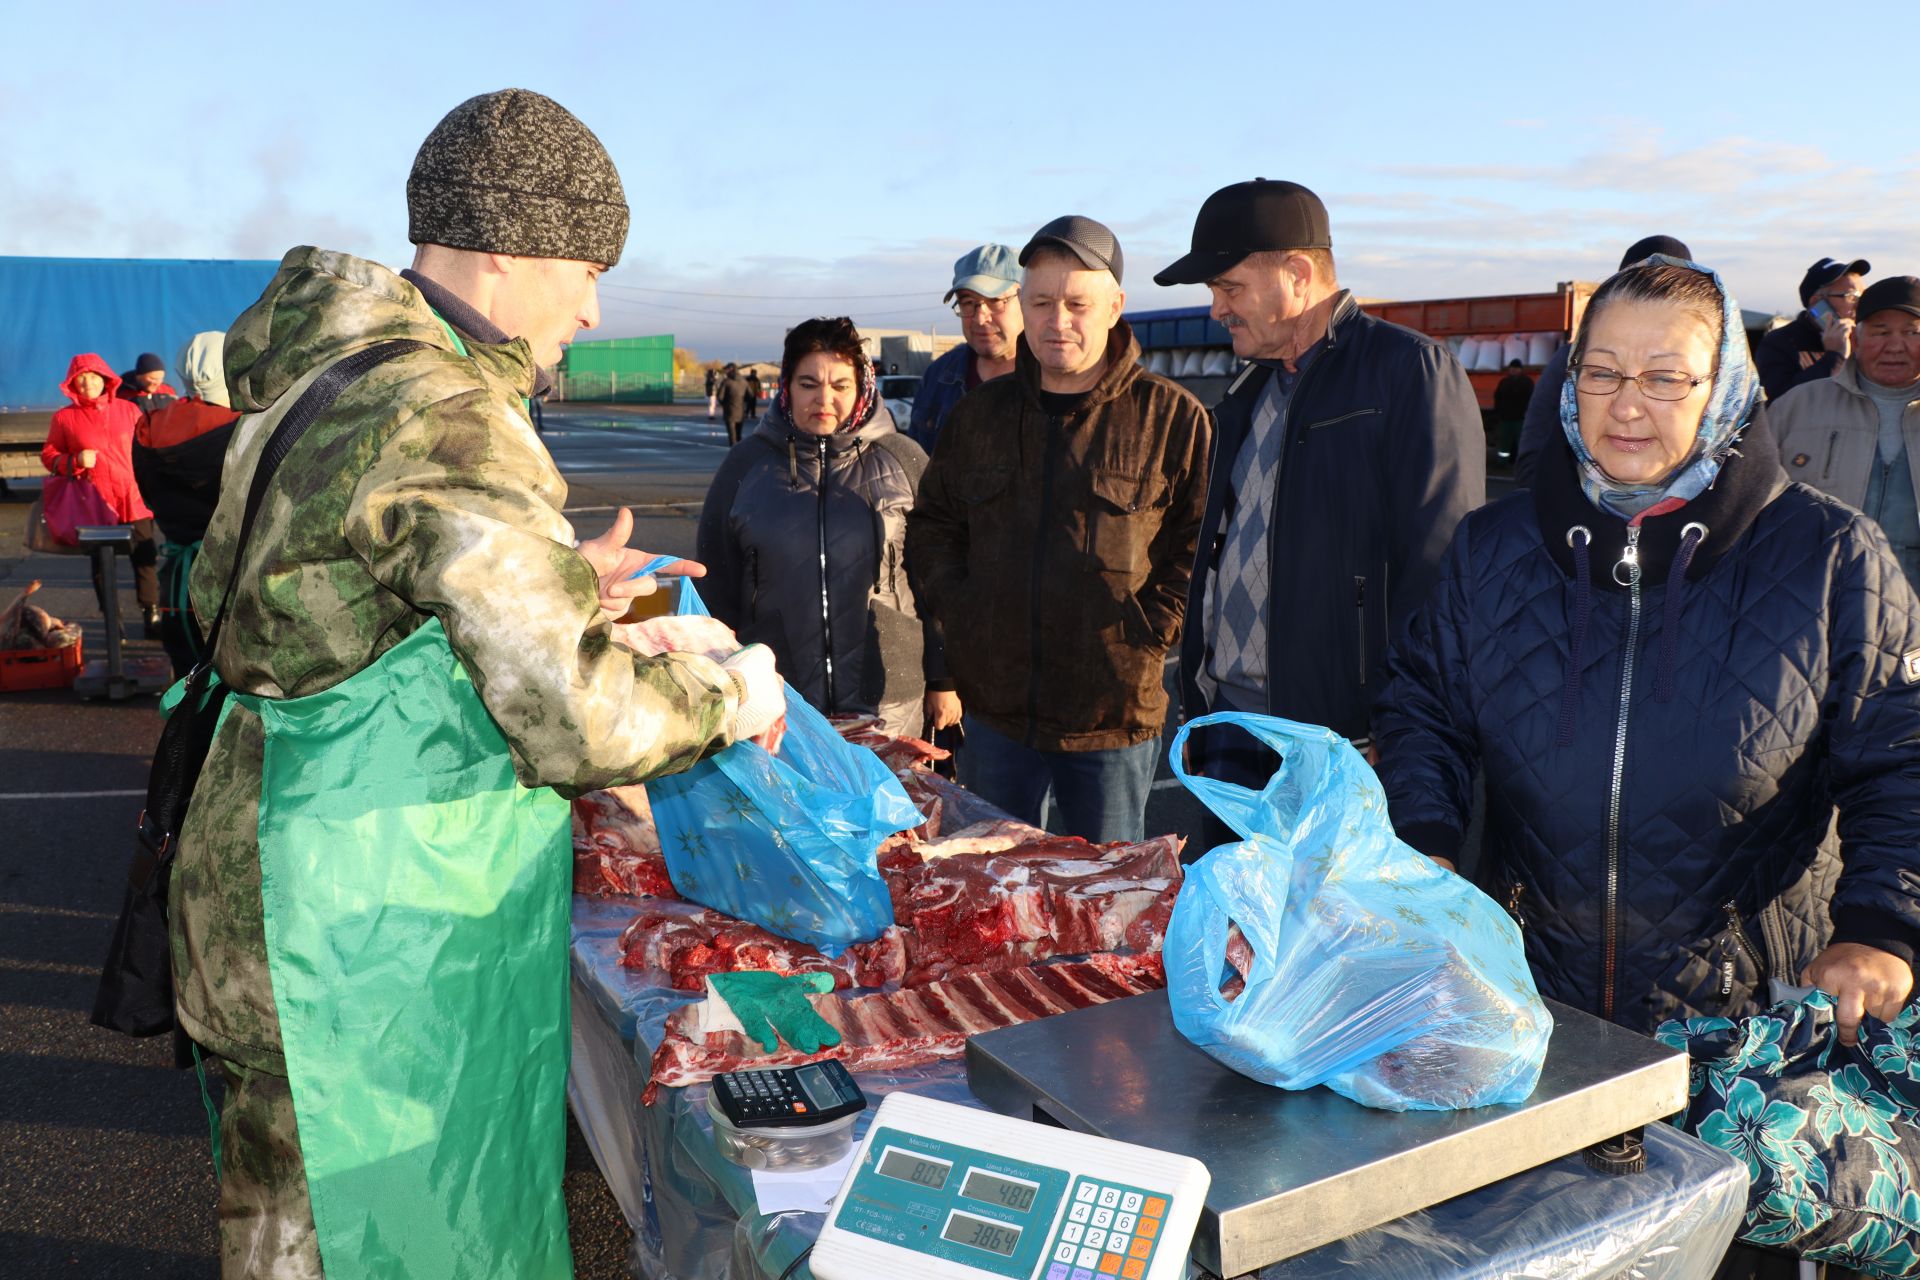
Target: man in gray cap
x=1053 y=538
x=411 y=554
x=1345 y=454
x=986 y=296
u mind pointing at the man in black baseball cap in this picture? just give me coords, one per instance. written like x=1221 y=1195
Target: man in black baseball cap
x=1819 y=340
x=1856 y=435
x=1346 y=452
x=1053 y=538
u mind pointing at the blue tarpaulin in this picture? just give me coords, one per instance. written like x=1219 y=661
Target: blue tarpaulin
x=51 y=309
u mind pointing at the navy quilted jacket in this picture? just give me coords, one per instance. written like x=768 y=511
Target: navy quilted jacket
x=1663 y=764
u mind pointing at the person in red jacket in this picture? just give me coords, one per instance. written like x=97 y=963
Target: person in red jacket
x=93 y=439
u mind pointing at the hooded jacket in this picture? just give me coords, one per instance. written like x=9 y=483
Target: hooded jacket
x=422 y=492
x=180 y=448
x=1055 y=551
x=804 y=539
x=104 y=424
x=1663 y=765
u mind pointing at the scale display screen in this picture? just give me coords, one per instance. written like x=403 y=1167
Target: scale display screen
x=978 y=1233
x=991 y=1188
x=919 y=1170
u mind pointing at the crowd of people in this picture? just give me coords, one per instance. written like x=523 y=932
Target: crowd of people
x=1684 y=660
x=1690 y=685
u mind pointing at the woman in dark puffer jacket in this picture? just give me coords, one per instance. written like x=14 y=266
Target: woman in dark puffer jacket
x=1673 y=667
x=804 y=537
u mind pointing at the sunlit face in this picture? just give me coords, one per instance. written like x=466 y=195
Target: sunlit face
x=1258 y=301
x=1887 y=345
x=547 y=301
x=1843 y=295
x=89 y=385
x=992 y=325
x=1637 y=440
x=1069 y=311
x=825 y=386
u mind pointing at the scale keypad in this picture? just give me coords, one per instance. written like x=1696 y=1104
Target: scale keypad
x=1110 y=1233
x=761 y=1095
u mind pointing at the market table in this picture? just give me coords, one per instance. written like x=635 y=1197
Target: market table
x=697 y=1216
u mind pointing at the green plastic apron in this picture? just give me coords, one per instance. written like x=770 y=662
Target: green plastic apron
x=416 y=902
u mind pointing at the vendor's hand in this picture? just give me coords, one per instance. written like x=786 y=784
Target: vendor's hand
x=1446 y=863
x=763 y=695
x=614 y=563
x=1837 y=336
x=87 y=458
x=943 y=708
x=1861 y=980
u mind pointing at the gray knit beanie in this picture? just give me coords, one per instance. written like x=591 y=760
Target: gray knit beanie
x=516 y=172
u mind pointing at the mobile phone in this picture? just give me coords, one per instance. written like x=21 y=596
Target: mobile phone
x=1821 y=312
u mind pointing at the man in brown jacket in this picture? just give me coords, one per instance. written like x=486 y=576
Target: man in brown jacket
x=1054 y=540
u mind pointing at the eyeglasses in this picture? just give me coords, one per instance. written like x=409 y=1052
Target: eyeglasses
x=1850 y=295
x=967 y=308
x=1654 y=384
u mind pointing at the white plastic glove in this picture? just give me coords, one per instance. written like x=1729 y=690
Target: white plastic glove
x=763 y=696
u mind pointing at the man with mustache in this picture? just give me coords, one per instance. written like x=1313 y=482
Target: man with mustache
x=986 y=297
x=1344 y=455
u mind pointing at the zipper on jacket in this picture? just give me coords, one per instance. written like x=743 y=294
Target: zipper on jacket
x=826 y=606
x=1516 y=892
x=1048 y=467
x=1360 y=618
x=1737 y=937
x=1826 y=471
x=1610 y=909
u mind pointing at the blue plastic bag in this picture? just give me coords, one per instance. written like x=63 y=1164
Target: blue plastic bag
x=1361 y=964
x=788 y=842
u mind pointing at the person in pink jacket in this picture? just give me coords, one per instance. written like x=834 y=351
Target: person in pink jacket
x=93 y=439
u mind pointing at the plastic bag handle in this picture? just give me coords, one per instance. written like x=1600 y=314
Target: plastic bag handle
x=1237 y=806
x=686 y=600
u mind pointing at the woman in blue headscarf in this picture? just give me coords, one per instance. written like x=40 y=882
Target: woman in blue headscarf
x=1673 y=668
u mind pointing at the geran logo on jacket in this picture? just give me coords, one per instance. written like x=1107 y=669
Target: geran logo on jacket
x=1910 y=666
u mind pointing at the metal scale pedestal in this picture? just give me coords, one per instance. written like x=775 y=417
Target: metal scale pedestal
x=1295 y=1170
x=119 y=676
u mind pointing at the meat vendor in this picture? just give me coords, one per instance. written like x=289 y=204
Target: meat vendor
x=370 y=906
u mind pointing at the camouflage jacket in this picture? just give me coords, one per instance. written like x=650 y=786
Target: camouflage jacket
x=422 y=492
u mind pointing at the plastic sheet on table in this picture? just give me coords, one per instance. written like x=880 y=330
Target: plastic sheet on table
x=706 y=1223
x=1560 y=1221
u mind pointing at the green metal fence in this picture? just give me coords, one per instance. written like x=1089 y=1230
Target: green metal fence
x=619 y=370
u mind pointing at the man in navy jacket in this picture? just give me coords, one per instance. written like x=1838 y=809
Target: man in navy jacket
x=1344 y=455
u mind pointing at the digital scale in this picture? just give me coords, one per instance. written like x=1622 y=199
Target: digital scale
x=945 y=1191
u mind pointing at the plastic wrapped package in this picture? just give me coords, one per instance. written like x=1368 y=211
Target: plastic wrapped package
x=1540 y=348
x=1516 y=347
x=1560 y=1221
x=787 y=841
x=1322 y=950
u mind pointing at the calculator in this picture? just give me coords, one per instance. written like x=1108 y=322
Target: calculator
x=788 y=1097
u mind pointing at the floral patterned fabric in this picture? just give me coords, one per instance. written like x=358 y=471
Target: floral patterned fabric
x=1830 y=1134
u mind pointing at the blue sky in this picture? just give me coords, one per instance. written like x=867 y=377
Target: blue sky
x=784 y=160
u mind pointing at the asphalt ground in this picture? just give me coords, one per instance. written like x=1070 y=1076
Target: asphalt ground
x=105 y=1167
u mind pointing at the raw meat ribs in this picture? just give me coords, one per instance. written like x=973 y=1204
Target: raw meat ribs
x=687 y=941
x=1058 y=896
x=616 y=848
x=892 y=1030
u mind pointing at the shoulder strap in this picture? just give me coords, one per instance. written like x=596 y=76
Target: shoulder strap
x=314 y=401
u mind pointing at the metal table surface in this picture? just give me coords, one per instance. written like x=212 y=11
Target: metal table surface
x=1296 y=1170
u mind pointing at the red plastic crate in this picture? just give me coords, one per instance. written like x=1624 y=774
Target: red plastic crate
x=22 y=669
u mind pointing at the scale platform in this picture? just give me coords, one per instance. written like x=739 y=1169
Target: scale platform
x=1293 y=1171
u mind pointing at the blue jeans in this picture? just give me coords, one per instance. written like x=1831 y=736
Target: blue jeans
x=1099 y=795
